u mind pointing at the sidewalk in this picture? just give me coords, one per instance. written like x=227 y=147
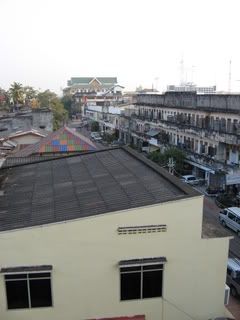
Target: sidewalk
x=234 y=307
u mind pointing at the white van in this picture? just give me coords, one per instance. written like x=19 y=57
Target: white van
x=233 y=276
x=230 y=217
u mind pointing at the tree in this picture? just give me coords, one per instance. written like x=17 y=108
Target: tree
x=45 y=98
x=162 y=159
x=95 y=126
x=30 y=95
x=60 y=115
x=4 y=100
x=67 y=103
x=49 y=99
x=16 y=94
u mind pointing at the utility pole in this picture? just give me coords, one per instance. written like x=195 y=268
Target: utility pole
x=171 y=165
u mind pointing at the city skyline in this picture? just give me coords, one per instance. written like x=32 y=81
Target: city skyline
x=44 y=44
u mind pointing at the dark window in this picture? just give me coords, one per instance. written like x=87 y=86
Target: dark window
x=229 y=271
x=28 y=290
x=141 y=282
x=231 y=216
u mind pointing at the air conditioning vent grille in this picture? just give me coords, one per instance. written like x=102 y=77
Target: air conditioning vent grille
x=142 y=229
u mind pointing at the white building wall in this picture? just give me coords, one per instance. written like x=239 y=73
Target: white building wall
x=85 y=255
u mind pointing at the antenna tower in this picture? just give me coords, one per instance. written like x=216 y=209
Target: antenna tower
x=230 y=76
x=181 y=71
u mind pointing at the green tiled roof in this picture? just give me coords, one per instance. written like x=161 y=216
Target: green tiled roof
x=86 y=80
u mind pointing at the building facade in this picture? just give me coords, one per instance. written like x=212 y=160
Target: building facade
x=189 y=86
x=90 y=84
x=205 y=126
x=118 y=237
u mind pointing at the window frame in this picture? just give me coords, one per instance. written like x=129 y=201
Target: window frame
x=28 y=279
x=142 y=271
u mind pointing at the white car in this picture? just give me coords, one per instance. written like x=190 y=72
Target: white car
x=190 y=179
x=96 y=136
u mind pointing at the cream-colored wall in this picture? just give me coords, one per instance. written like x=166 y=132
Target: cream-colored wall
x=85 y=255
x=27 y=139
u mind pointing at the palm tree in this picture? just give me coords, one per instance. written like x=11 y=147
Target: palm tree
x=16 y=94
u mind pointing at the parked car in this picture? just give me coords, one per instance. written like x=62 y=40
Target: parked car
x=226 y=200
x=96 y=136
x=230 y=217
x=116 y=143
x=190 y=179
x=233 y=276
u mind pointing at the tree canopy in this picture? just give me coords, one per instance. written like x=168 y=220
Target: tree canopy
x=162 y=158
x=49 y=99
x=19 y=96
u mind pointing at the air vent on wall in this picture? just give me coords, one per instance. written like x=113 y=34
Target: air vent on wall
x=142 y=229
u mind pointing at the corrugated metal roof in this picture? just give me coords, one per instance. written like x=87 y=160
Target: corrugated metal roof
x=153 y=132
x=84 y=185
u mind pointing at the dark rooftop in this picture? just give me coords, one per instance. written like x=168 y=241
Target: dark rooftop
x=84 y=185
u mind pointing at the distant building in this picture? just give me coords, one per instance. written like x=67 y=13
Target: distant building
x=189 y=86
x=24 y=121
x=90 y=84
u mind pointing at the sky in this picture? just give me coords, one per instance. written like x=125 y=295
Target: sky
x=46 y=42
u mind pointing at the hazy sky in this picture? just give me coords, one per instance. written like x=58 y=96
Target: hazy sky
x=45 y=42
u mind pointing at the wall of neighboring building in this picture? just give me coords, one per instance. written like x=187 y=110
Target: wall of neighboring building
x=43 y=120
x=219 y=102
x=85 y=254
x=36 y=119
x=13 y=124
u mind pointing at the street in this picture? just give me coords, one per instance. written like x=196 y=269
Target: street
x=210 y=219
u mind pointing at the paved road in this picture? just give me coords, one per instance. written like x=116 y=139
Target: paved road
x=210 y=214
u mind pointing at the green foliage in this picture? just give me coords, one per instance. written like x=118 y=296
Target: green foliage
x=95 y=126
x=4 y=100
x=29 y=94
x=48 y=99
x=60 y=115
x=109 y=137
x=45 y=98
x=154 y=156
x=67 y=103
x=16 y=93
x=171 y=152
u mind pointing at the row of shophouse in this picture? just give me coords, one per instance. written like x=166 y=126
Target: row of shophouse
x=206 y=127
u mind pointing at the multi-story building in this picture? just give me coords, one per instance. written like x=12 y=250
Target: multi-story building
x=106 y=235
x=206 y=126
x=189 y=86
x=93 y=92
x=91 y=84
